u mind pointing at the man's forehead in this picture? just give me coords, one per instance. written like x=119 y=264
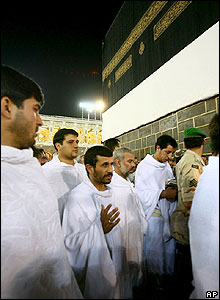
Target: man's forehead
x=32 y=101
x=70 y=136
x=129 y=155
x=170 y=148
x=104 y=158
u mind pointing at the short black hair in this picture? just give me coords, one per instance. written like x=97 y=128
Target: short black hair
x=18 y=87
x=164 y=140
x=59 y=136
x=112 y=143
x=37 y=151
x=193 y=142
x=91 y=154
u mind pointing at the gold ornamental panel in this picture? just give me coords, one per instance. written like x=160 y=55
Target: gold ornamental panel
x=174 y=11
x=81 y=136
x=141 y=48
x=91 y=137
x=123 y=68
x=44 y=133
x=99 y=136
x=136 y=32
x=55 y=129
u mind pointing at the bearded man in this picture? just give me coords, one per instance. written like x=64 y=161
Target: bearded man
x=133 y=223
x=92 y=236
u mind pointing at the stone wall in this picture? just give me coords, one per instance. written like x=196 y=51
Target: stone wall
x=142 y=140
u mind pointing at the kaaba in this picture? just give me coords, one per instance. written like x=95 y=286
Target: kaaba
x=147 y=34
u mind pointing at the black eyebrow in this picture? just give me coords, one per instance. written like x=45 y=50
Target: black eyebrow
x=71 y=140
x=38 y=106
x=104 y=163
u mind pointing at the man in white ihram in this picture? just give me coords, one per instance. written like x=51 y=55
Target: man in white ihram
x=63 y=172
x=204 y=225
x=158 y=203
x=92 y=235
x=34 y=263
x=133 y=222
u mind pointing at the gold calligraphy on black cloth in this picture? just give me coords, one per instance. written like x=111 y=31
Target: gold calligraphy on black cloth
x=163 y=29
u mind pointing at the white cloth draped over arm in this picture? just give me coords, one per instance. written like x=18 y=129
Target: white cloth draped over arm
x=133 y=226
x=150 y=180
x=204 y=232
x=147 y=189
x=34 y=263
x=63 y=178
x=167 y=208
x=86 y=246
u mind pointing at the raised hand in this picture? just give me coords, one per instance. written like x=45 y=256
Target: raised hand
x=109 y=219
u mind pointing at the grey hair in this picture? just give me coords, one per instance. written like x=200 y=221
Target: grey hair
x=119 y=153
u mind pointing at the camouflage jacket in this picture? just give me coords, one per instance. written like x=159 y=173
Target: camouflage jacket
x=188 y=171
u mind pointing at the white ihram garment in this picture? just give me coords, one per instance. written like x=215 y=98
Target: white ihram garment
x=63 y=178
x=204 y=232
x=98 y=259
x=34 y=264
x=133 y=225
x=159 y=246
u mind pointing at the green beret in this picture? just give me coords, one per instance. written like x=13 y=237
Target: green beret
x=193 y=132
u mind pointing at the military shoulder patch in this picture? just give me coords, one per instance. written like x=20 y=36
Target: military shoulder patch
x=193 y=182
x=195 y=166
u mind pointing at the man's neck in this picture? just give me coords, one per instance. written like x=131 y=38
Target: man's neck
x=118 y=171
x=155 y=156
x=66 y=160
x=8 y=139
x=99 y=186
x=197 y=150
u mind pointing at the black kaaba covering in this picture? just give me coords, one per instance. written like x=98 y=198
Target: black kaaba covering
x=145 y=35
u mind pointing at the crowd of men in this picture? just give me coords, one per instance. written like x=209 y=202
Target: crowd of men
x=74 y=230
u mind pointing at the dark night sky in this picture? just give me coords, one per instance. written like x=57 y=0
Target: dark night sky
x=60 y=47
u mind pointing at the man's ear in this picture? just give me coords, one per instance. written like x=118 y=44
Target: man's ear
x=157 y=148
x=89 y=168
x=117 y=162
x=6 y=107
x=58 y=145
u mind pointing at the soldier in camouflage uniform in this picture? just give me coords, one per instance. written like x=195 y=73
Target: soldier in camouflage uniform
x=188 y=171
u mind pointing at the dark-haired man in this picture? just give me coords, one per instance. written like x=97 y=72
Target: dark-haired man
x=188 y=171
x=63 y=172
x=34 y=264
x=158 y=202
x=112 y=144
x=40 y=154
x=92 y=238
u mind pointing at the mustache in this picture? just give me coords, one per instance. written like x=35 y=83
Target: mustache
x=109 y=174
x=132 y=170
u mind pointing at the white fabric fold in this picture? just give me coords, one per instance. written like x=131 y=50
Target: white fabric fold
x=150 y=180
x=133 y=225
x=166 y=208
x=34 y=264
x=63 y=177
x=90 y=255
x=204 y=232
